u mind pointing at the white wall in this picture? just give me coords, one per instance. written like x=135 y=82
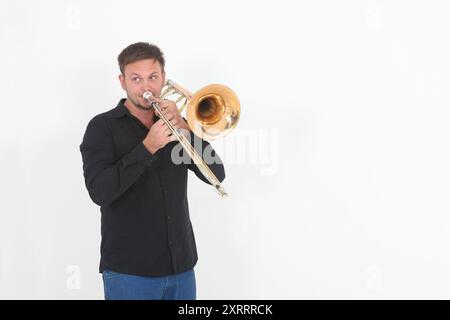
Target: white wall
x=338 y=171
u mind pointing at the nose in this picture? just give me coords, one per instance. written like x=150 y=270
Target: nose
x=146 y=86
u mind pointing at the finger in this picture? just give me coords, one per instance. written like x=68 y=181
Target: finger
x=172 y=138
x=161 y=102
x=157 y=113
x=160 y=106
x=163 y=111
x=166 y=106
x=169 y=105
x=163 y=108
x=169 y=115
x=169 y=139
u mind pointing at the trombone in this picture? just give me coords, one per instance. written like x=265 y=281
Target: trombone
x=211 y=112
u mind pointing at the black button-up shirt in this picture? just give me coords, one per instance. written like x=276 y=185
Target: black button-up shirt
x=145 y=224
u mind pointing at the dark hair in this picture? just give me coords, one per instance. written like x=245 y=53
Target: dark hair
x=140 y=51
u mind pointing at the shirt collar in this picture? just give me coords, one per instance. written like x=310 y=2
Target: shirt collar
x=120 y=110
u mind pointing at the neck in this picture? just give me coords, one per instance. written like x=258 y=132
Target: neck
x=145 y=116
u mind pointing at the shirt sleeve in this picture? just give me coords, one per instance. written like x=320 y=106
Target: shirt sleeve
x=210 y=157
x=107 y=177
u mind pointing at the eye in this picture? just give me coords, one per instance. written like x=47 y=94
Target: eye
x=153 y=77
x=136 y=79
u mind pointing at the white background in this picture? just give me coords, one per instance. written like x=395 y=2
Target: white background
x=338 y=172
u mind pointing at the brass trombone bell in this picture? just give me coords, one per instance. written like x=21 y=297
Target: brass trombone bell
x=211 y=112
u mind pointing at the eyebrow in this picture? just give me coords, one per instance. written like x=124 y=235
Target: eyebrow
x=137 y=74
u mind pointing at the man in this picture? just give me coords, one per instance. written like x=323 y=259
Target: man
x=148 y=248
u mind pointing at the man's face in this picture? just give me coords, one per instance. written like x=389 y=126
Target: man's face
x=142 y=76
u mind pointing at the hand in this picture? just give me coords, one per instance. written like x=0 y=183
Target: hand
x=170 y=110
x=158 y=136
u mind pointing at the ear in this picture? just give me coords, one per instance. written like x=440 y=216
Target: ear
x=122 y=81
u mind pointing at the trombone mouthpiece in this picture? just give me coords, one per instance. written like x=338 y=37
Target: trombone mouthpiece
x=147 y=95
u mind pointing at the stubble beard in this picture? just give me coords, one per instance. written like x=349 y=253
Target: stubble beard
x=139 y=105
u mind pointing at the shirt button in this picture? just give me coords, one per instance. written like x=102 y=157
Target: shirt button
x=168 y=217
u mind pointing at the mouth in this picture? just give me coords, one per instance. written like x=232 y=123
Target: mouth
x=141 y=102
x=145 y=101
x=152 y=95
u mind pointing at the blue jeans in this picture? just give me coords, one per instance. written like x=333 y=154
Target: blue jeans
x=119 y=286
